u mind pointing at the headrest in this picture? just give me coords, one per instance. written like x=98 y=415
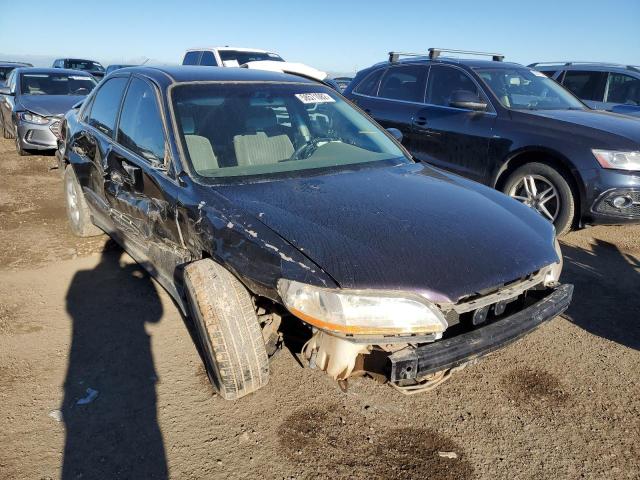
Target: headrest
x=260 y=119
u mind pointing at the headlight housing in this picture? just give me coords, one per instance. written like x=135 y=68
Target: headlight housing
x=617 y=159
x=34 y=118
x=553 y=273
x=361 y=312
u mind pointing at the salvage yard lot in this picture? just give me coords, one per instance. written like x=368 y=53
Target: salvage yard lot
x=78 y=314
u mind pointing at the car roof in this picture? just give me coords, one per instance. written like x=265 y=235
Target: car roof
x=235 y=49
x=7 y=63
x=183 y=73
x=598 y=66
x=74 y=59
x=53 y=70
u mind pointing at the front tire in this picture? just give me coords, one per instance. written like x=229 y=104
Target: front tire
x=235 y=355
x=21 y=151
x=546 y=190
x=77 y=209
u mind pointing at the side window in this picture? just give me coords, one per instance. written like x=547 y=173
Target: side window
x=140 y=129
x=585 y=85
x=208 y=59
x=191 y=58
x=549 y=73
x=105 y=105
x=11 y=81
x=369 y=86
x=404 y=83
x=444 y=81
x=623 y=88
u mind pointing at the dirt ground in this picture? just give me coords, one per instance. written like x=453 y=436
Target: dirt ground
x=79 y=317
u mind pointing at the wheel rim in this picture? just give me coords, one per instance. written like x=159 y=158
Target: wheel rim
x=72 y=202
x=539 y=193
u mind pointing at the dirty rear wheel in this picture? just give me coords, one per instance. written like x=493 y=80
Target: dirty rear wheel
x=546 y=190
x=77 y=208
x=235 y=355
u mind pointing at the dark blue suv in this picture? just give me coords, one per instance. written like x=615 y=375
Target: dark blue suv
x=510 y=127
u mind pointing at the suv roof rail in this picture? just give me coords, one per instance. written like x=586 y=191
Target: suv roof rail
x=395 y=56
x=435 y=53
x=566 y=64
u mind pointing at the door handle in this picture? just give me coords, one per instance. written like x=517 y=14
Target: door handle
x=420 y=121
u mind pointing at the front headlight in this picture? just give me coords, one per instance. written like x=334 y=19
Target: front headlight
x=364 y=312
x=618 y=160
x=34 y=118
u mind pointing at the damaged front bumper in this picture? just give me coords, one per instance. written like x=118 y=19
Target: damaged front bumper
x=414 y=363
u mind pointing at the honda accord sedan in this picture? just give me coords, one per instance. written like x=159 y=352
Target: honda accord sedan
x=34 y=101
x=273 y=211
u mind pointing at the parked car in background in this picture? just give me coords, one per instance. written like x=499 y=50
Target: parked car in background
x=255 y=60
x=603 y=86
x=7 y=67
x=261 y=200
x=90 y=66
x=34 y=101
x=343 y=82
x=227 y=56
x=512 y=128
x=113 y=68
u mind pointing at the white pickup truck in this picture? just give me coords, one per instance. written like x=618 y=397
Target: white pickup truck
x=250 y=58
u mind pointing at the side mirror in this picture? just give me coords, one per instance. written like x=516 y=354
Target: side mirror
x=395 y=133
x=467 y=100
x=5 y=91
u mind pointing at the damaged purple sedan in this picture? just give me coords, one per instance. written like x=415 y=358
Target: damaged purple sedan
x=277 y=214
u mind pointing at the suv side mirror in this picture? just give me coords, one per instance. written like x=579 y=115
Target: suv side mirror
x=395 y=133
x=467 y=100
x=5 y=91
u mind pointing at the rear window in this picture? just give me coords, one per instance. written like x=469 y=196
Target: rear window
x=585 y=85
x=55 y=84
x=191 y=58
x=4 y=73
x=404 y=83
x=85 y=65
x=208 y=59
x=235 y=58
x=369 y=86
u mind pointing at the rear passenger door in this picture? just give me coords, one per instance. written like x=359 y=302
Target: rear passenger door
x=449 y=137
x=91 y=142
x=588 y=86
x=141 y=193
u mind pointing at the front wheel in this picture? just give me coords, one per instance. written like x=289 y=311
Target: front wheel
x=222 y=309
x=547 y=191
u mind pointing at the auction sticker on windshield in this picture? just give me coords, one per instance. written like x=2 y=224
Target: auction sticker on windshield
x=314 y=97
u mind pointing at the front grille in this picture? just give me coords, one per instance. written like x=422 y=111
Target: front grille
x=55 y=128
x=605 y=204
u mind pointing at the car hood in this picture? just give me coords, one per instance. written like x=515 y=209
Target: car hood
x=598 y=122
x=49 y=105
x=408 y=227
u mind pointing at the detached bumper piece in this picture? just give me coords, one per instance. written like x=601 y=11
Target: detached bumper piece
x=416 y=363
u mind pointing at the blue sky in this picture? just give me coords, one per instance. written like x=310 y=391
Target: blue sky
x=336 y=36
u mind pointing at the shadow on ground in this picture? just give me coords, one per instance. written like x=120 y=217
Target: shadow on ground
x=115 y=434
x=606 y=300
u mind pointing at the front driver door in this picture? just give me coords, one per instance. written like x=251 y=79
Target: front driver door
x=141 y=193
x=456 y=139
